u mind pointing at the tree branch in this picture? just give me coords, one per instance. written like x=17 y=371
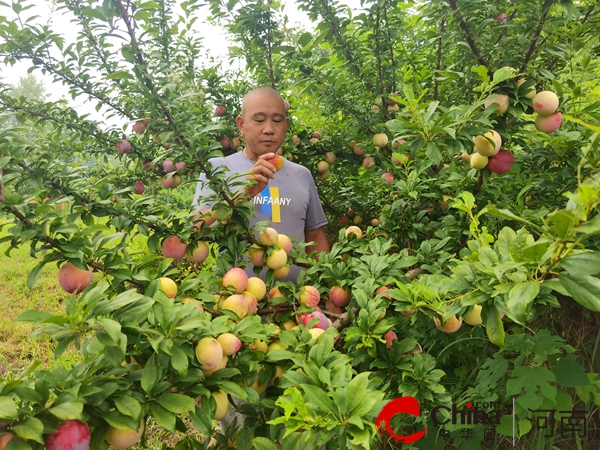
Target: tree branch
x=344 y=44
x=467 y=34
x=536 y=35
x=438 y=62
x=139 y=56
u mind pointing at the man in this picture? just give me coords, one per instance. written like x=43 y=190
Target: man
x=286 y=198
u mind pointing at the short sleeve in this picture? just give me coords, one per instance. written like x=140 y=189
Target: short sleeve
x=315 y=217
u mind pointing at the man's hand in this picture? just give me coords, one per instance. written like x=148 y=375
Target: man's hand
x=262 y=172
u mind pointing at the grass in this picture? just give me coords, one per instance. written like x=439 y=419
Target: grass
x=17 y=351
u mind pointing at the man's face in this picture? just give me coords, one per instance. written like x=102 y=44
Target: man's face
x=263 y=124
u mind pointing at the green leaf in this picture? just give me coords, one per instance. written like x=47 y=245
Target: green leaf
x=128 y=406
x=506 y=214
x=30 y=428
x=587 y=263
x=176 y=403
x=8 y=409
x=179 y=361
x=555 y=285
x=570 y=373
x=520 y=296
x=150 y=374
x=36 y=317
x=494 y=327
x=317 y=397
x=120 y=75
x=262 y=443
x=233 y=389
x=113 y=328
x=164 y=418
x=433 y=153
x=356 y=391
x=562 y=222
x=590 y=227
x=202 y=421
x=34 y=274
x=585 y=290
x=594 y=128
x=67 y=411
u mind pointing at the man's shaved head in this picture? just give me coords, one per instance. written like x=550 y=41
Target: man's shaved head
x=260 y=92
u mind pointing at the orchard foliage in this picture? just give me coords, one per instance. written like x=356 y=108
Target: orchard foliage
x=441 y=236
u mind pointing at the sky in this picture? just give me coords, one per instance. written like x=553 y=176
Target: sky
x=61 y=23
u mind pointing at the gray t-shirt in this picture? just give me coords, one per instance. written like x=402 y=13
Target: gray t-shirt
x=290 y=202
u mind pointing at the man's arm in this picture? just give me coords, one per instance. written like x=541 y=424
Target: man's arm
x=320 y=239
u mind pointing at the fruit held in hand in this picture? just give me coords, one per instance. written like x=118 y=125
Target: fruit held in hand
x=123 y=146
x=488 y=144
x=72 y=279
x=277 y=161
x=70 y=435
x=548 y=124
x=501 y=162
x=545 y=103
x=173 y=247
x=452 y=324
x=122 y=439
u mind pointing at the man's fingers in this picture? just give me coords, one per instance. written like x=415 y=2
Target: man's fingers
x=264 y=169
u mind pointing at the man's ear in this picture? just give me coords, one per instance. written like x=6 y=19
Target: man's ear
x=239 y=121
